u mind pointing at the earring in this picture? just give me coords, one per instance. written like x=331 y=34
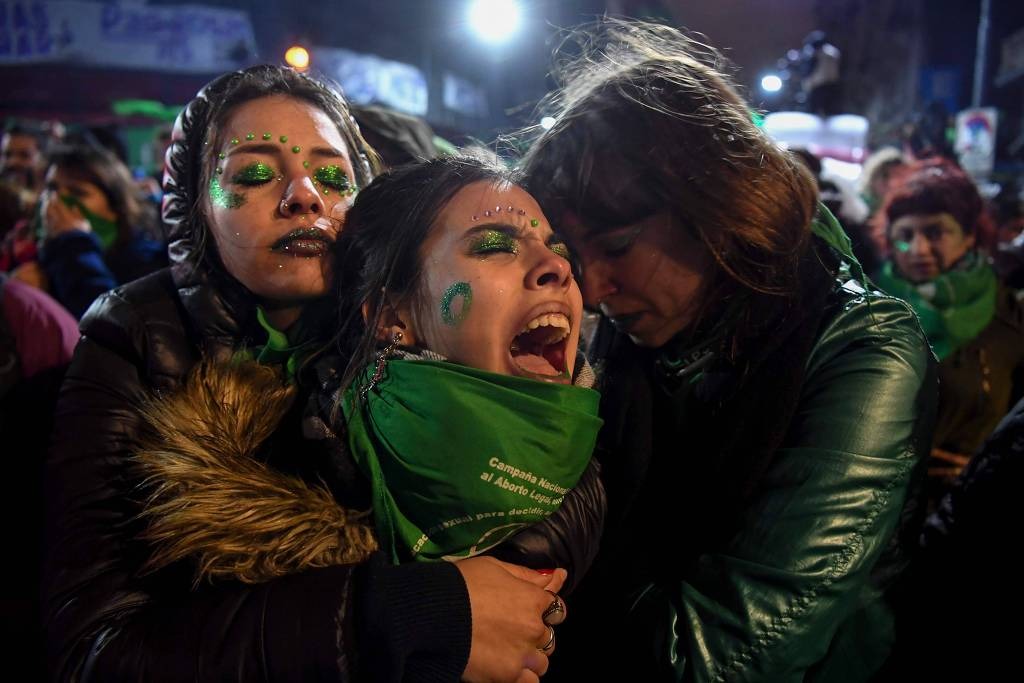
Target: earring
x=382 y=361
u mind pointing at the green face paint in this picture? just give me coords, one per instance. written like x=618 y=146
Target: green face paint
x=534 y=222
x=903 y=247
x=560 y=250
x=333 y=177
x=250 y=136
x=267 y=136
x=222 y=198
x=283 y=138
x=458 y=289
x=493 y=241
x=254 y=174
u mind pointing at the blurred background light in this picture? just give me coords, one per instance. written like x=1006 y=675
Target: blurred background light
x=547 y=122
x=494 y=21
x=771 y=83
x=297 y=57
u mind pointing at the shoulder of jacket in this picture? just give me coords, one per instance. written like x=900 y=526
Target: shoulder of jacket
x=145 y=321
x=860 y=317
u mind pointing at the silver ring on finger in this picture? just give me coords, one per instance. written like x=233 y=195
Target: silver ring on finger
x=550 y=645
x=555 y=612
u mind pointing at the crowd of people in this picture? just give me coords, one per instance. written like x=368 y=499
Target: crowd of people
x=632 y=406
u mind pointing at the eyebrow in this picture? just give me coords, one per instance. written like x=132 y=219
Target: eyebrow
x=271 y=148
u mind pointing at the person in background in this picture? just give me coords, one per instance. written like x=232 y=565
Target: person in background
x=766 y=413
x=876 y=175
x=23 y=157
x=930 y=226
x=96 y=231
x=37 y=338
x=398 y=138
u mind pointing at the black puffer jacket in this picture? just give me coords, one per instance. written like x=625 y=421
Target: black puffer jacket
x=104 y=621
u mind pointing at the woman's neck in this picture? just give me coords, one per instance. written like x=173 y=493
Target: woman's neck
x=281 y=316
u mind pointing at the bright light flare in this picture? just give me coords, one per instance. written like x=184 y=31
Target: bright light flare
x=494 y=21
x=547 y=122
x=771 y=83
x=297 y=57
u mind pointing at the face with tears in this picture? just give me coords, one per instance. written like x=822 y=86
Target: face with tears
x=497 y=291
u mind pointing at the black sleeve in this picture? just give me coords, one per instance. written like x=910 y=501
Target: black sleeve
x=105 y=622
x=569 y=537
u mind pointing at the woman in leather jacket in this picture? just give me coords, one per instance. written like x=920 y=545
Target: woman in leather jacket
x=260 y=173
x=765 y=412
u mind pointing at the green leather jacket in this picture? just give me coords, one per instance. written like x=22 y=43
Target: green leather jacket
x=794 y=590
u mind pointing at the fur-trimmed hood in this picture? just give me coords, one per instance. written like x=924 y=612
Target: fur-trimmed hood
x=211 y=500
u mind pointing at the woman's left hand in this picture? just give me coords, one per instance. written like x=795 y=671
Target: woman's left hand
x=59 y=218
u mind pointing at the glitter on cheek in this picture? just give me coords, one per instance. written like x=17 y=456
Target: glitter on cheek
x=222 y=198
x=457 y=290
x=902 y=246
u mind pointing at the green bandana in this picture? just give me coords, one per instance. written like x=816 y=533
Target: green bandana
x=954 y=307
x=460 y=458
x=105 y=231
x=278 y=349
x=827 y=227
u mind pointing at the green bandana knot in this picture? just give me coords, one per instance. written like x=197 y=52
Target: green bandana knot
x=460 y=459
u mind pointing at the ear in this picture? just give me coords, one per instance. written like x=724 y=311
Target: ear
x=391 y=322
x=969 y=241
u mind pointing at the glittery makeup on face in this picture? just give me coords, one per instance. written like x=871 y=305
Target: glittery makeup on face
x=493 y=241
x=255 y=173
x=223 y=198
x=458 y=289
x=559 y=249
x=334 y=177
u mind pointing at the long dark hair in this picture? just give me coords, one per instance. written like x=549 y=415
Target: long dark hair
x=646 y=120
x=379 y=259
x=104 y=170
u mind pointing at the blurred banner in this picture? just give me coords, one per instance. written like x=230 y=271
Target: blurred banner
x=186 y=38
x=367 y=79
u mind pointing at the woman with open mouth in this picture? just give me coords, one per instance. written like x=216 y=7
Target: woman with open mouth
x=465 y=403
x=156 y=562
x=766 y=412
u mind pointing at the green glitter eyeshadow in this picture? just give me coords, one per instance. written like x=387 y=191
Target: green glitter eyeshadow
x=494 y=241
x=267 y=136
x=534 y=222
x=333 y=177
x=250 y=136
x=560 y=249
x=458 y=289
x=222 y=198
x=283 y=138
x=254 y=174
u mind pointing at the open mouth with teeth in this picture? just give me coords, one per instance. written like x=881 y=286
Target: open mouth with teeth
x=539 y=349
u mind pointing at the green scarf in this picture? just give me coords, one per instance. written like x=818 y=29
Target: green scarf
x=105 y=231
x=460 y=458
x=954 y=307
x=278 y=349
